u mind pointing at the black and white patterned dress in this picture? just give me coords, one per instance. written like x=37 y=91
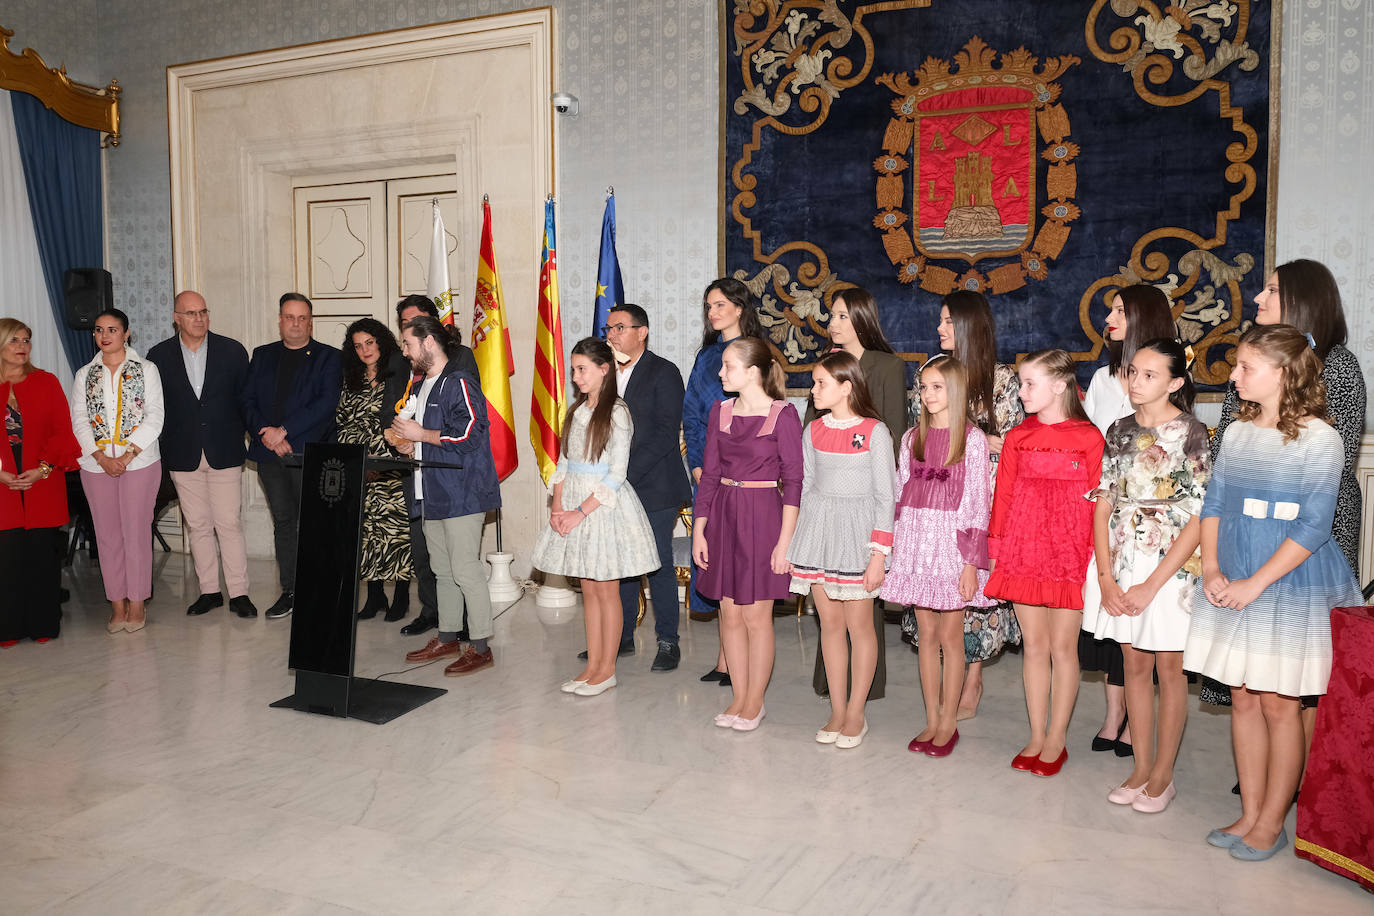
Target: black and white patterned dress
x=1345 y=406
x=386 y=523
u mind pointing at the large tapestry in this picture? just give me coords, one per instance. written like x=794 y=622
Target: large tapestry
x=1045 y=154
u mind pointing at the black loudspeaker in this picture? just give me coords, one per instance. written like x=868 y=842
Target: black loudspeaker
x=86 y=292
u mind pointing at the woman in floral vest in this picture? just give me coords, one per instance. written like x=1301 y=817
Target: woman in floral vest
x=117 y=416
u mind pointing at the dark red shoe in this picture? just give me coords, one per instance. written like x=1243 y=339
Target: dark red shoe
x=918 y=747
x=1041 y=768
x=1024 y=762
x=943 y=750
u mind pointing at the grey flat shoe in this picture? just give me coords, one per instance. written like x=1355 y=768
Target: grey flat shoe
x=1222 y=840
x=1248 y=853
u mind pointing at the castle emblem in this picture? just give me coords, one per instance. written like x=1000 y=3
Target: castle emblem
x=968 y=137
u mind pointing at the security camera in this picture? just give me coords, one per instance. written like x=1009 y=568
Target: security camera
x=565 y=103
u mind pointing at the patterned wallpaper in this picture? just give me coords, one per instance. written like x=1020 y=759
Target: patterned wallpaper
x=647 y=76
x=1325 y=184
x=644 y=71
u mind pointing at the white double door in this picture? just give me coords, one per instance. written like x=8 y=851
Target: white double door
x=361 y=246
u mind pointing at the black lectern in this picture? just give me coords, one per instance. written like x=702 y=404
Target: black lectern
x=323 y=624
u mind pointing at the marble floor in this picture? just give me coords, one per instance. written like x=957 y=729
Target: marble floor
x=145 y=773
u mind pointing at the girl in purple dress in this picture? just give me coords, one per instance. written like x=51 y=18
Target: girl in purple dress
x=743 y=524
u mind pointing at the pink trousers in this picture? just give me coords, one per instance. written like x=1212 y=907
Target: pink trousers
x=210 y=507
x=122 y=513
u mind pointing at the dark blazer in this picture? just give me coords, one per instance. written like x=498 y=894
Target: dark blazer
x=458 y=410
x=211 y=424
x=654 y=397
x=309 y=406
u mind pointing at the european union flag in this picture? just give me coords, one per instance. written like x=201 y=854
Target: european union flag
x=610 y=291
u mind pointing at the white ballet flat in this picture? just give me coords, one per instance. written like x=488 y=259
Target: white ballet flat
x=825 y=737
x=571 y=686
x=852 y=740
x=595 y=690
x=725 y=720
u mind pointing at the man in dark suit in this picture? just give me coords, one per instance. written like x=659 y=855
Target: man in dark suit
x=202 y=446
x=288 y=400
x=652 y=387
x=408 y=308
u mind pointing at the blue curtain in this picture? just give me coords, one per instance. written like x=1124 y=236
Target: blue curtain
x=62 y=171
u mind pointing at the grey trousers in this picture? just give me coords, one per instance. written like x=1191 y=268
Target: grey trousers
x=455 y=555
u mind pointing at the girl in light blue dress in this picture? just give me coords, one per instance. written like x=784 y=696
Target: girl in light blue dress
x=1271 y=573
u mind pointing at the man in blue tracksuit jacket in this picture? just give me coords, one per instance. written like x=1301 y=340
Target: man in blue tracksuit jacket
x=448 y=425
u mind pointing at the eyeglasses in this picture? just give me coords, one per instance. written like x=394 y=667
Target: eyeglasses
x=618 y=328
x=199 y=313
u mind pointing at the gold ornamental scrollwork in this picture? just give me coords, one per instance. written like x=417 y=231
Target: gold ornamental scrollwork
x=85 y=106
x=794 y=63
x=1201 y=38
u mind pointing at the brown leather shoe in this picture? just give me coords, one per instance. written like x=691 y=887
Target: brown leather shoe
x=471 y=660
x=435 y=649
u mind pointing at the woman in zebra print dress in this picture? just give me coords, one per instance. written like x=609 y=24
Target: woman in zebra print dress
x=370 y=357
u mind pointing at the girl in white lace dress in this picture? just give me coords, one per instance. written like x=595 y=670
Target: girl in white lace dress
x=597 y=528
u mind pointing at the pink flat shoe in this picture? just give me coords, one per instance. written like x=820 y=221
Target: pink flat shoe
x=1125 y=795
x=1149 y=804
x=725 y=720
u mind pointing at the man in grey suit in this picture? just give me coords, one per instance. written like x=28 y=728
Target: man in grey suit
x=652 y=388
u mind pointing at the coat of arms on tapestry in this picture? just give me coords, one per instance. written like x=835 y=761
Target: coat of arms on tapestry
x=1044 y=154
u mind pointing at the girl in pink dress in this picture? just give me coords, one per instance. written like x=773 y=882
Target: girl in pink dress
x=940 y=545
x=745 y=512
x=1040 y=539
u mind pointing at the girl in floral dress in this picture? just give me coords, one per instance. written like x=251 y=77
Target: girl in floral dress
x=1145 y=529
x=940 y=546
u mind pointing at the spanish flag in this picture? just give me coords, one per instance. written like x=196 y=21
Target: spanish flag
x=549 y=402
x=491 y=347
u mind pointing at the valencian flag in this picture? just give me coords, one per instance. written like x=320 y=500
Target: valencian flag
x=438 y=288
x=610 y=291
x=548 y=403
x=491 y=347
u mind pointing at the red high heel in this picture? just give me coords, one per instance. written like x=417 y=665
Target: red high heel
x=1043 y=768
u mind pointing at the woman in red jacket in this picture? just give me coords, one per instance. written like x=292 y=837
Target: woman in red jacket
x=38 y=449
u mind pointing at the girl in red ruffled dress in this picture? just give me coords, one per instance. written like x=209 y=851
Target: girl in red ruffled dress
x=1040 y=540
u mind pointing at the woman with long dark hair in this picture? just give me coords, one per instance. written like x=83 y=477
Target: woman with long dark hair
x=598 y=530
x=372 y=362
x=37 y=450
x=967 y=332
x=729 y=312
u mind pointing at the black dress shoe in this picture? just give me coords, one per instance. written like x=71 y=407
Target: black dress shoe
x=421 y=624
x=668 y=656
x=713 y=675
x=205 y=603
x=282 y=607
x=626 y=648
x=243 y=606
